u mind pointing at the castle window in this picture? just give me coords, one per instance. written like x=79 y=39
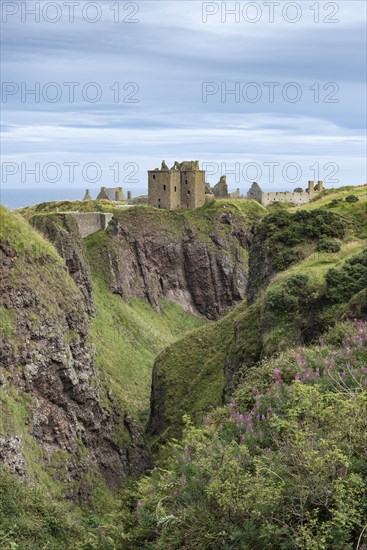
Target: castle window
x=164 y=187
x=188 y=192
x=159 y=200
x=175 y=188
x=153 y=176
x=159 y=205
x=185 y=181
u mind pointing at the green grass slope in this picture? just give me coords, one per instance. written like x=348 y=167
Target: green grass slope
x=128 y=337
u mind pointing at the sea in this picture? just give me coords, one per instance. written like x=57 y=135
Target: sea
x=14 y=198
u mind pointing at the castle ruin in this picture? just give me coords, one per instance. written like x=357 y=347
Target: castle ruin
x=179 y=187
x=107 y=193
x=299 y=196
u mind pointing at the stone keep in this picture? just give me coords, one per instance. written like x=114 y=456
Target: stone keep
x=182 y=186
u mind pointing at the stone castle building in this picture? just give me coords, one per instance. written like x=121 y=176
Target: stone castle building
x=299 y=196
x=107 y=193
x=182 y=186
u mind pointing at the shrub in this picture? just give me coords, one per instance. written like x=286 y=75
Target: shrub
x=352 y=198
x=325 y=244
x=279 y=300
x=285 y=257
x=343 y=283
x=334 y=202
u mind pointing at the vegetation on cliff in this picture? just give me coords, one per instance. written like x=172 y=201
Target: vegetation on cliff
x=283 y=465
x=297 y=307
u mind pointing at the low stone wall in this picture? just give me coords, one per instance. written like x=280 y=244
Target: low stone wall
x=90 y=222
x=295 y=198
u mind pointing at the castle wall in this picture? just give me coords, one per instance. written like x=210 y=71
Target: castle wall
x=90 y=222
x=192 y=189
x=279 y=196
x=175 y=190
x=164 y=189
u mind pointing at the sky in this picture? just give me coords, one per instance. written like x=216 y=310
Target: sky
x=272 y=92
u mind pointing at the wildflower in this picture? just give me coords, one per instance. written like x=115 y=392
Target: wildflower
x=207 y=421
x=249 y=425
x=299 y=359
x=187 y=457
x=277 y=375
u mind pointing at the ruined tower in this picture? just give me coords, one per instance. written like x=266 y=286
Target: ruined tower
x=311 y=187
x=87 y=196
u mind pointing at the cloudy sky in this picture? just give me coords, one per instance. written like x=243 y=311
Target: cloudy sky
x=119 y=86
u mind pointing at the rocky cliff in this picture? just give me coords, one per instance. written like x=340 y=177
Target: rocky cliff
x=55 y=414
x=62 y=231
x=196 y=259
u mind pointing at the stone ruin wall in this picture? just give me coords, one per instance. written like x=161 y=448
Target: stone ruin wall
x=90 y=222
x=279 y=196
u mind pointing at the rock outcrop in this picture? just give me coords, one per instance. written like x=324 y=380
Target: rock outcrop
x=62 y=231
x=197 y=261
x=64 y=416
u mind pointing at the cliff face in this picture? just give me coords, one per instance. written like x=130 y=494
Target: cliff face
x=62 y=231
x=53 y=408
x=196 y=259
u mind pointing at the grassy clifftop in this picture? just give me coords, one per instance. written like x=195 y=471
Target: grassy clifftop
x=70 y=206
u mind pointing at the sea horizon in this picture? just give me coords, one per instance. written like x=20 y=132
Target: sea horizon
x=13 y=198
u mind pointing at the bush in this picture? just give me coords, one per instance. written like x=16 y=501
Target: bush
x=352 y=198
x=343 y=283
x=279 y=300
x=285 y=257
x=326 y=244
x=334 y=202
